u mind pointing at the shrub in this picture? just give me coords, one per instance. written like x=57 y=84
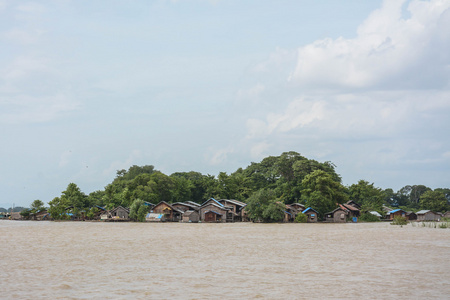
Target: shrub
x=301 y=218
x=399 y=220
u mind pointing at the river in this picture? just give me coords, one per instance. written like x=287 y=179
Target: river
x=85 y=260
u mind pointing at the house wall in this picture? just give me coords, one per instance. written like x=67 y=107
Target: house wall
x=310 y=219
x=193 y=217
x=208 y=207
x=159 y=209
x=337 y=216
x=121 y=213
x=429 y=216
x=397 y=213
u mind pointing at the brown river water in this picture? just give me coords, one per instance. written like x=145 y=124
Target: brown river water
x=85 y=260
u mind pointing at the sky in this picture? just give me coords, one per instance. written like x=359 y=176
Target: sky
x=91 y=87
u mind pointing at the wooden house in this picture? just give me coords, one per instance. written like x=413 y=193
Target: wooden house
x=171 y=214
x=446 y=215
x=339 y=215
x=411 y=215
x=191 y=216
x=312 y=214
x=40 y=215
x=214 y=211
x=427 y=215
x=237 y=207
x=396 y=212
x=119 y=213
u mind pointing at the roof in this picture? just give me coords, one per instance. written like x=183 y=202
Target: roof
x=422 y=212
x=395 y=210
x=188 y=205
x=235 y=202
x=120 y=207
x=214 y=201
x=350 y=207
x=170 y=206
x=193 y=203
x=215 y=205
x=308 y=209
x=375 y=213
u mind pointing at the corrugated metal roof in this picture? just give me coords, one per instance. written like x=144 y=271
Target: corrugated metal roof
x=423 y=211
x=215 y=201
x=308 y=209
x=395 y=210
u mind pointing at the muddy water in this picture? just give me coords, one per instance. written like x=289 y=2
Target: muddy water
x=83 y=260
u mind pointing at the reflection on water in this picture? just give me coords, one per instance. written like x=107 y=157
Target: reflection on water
x=79 y=260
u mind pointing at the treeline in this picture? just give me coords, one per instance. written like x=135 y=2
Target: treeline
x=275 y=180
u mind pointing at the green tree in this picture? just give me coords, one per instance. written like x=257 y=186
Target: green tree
x=37 y=205
x=57 y=209
x=262 y=206
x=366 y=195
x=434 y=200
x=138 y=210
x=321 y=192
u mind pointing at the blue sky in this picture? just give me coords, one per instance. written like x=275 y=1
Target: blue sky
x=91 y=87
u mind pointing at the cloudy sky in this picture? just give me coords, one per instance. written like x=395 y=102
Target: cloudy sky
x=91 y=87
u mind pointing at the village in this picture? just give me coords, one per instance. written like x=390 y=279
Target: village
x=229 y=210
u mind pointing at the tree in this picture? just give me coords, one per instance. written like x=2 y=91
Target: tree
x=138 y=210
x=57 y=208
x=37 y=205
x=321 y=192
x=74 y=197
x=366 y=195
x=263 y=206
x=434 y=200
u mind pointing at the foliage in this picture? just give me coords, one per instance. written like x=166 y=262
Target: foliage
x=92 y=213
x=138 y=210
x=37 y=205
x=368 y=217
x=263 y=206
x=301 y=218
x=365 y=194
x=322 y=192
x=399 y=220
x=25 y=213
x=434 y=200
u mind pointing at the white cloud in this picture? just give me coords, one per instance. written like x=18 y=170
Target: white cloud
x=119 y=165
x=34 y=109
x=218 y=156
x=24 y=36
x=389 y=51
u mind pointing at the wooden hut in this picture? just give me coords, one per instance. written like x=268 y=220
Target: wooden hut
x=119 y=213
x=427 y=215
x=312 y=214
x=171 y=214
x=213 y=211
x=396 y=212
x=339 y=215
x=235 y=206
x=411 y=215
x=446 y=215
